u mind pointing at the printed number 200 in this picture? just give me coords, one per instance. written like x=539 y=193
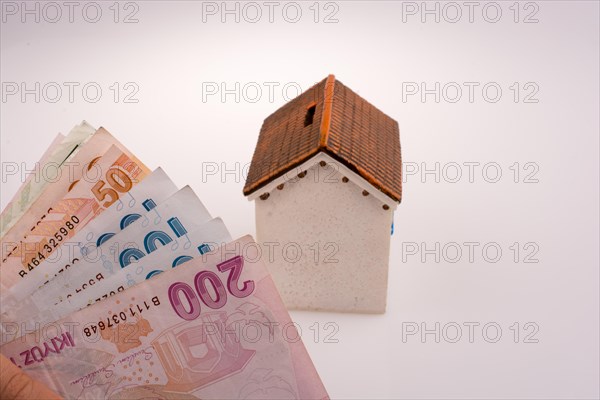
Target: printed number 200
x=191 y=311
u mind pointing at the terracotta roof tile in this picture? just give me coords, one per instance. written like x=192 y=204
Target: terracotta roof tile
x=344 y=125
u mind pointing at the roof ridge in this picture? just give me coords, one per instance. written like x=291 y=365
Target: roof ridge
x=327 y=110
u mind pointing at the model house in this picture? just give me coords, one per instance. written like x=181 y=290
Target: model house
x=326 y=179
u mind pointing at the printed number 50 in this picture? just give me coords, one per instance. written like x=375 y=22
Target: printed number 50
x=119 y=182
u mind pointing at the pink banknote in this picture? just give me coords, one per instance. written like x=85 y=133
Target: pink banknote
x=215 y=328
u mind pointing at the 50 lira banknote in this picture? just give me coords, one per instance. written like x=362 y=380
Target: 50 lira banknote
x=144 y=196
x=115 y=173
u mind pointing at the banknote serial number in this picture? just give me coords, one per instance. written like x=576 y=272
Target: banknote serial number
x=55 y=240
x=121 y=317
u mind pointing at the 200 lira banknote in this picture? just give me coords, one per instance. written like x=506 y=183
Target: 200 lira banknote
x=216 y=329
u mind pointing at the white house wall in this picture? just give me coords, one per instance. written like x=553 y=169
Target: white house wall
x=329 y=243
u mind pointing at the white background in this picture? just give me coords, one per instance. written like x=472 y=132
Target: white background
x=378 y=49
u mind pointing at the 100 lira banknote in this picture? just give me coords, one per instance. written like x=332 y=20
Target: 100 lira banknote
x=175 y=217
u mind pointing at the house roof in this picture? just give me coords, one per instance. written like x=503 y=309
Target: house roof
x=329 y=117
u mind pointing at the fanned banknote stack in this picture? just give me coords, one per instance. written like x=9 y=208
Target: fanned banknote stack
x=116 y=284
